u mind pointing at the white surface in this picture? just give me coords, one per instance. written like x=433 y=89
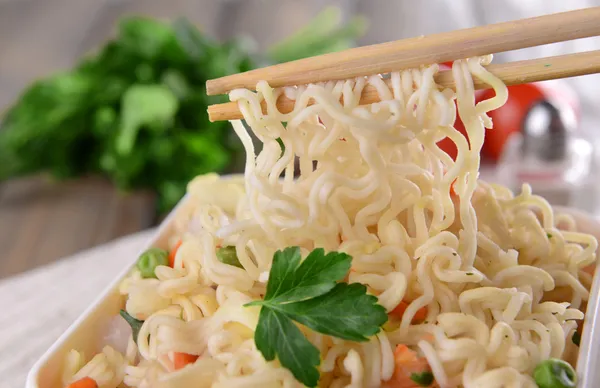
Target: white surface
x=38 y=306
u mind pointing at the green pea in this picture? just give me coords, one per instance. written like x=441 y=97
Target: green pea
x=554 y=373
x=423 y=379
x=227 y=255
x=151 y=259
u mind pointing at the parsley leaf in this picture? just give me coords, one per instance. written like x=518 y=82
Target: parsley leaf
x=278 y=335
x=346 y=312
x=135 y=324
x=316 y=275
x=307 y=292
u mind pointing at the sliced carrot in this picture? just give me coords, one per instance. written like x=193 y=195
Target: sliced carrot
x=86 y=382
x=409 y=369
x=399 y=311
x=452 y=191
x=428 y=337
x=182 y=359
x=403 y=354
x=173 y=253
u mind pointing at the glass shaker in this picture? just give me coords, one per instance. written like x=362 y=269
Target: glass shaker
x=548 y=155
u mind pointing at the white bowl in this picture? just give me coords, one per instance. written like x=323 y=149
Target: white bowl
x=82 y=334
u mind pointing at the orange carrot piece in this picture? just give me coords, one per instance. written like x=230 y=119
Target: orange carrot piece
x=407 y=363
x=590 y=269
x=452 y=191
x=182 y=359
x=428 y=337
x=173 y=253
x=399 y=311
x=85 y=382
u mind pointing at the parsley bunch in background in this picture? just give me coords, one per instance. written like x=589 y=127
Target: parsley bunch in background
x=135 y=111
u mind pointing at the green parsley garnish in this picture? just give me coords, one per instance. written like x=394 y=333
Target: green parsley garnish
x=281 y=145
x=424 y=379
x=135 y=324
x=308 y=293
x=469 y=273
x=548 y=235
x=576 y=338
x=228 y=255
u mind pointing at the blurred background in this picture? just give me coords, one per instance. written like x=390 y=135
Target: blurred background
x=104 y=108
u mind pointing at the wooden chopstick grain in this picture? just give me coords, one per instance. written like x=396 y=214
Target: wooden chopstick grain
x=424 y=50
x=512 y=73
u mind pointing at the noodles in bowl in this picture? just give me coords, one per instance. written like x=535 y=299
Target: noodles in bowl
x=381 y=262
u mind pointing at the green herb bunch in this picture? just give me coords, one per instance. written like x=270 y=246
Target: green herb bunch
x=135 y=111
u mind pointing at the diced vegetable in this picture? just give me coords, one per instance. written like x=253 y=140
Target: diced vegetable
x=423 y=379
x=85 y=382
x=554 y=373
x=135 y=324
x=149 y=260
x=452 y=191
x=398 y=312
x=410 y=371
x=182 y=359
x=281 y=145
x=173 y=253
x=227 y=255
x=576 y=338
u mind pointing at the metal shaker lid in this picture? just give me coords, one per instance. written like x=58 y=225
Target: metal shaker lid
x=545 y=132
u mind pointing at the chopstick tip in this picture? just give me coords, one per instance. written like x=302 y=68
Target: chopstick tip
x=212 y=87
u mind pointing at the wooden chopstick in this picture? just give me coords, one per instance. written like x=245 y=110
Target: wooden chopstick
x=424 y=50
x=513 y=73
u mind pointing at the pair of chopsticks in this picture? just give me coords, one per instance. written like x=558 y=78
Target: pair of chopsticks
x=425 y=50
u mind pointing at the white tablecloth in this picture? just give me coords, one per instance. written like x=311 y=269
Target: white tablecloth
x=37 y=306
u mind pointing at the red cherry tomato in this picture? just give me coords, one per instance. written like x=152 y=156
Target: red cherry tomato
x=508 y=119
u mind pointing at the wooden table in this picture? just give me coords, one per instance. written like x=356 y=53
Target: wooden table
x=42 y=221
